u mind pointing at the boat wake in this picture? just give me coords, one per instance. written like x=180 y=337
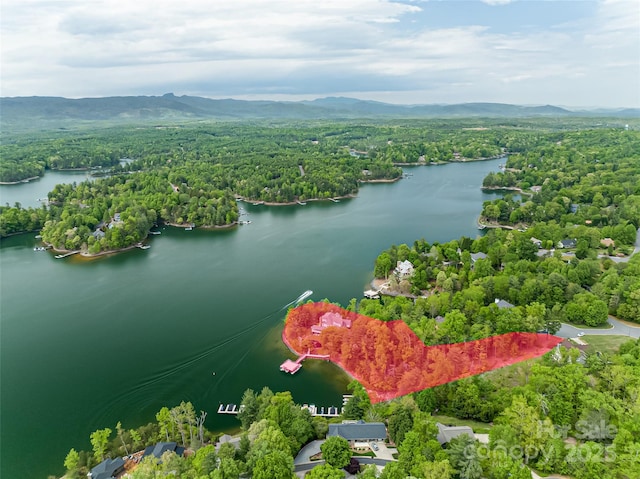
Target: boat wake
x=162 y=382
x=300 y=298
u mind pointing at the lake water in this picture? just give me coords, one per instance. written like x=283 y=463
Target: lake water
x=29 y=194
x=85 y=344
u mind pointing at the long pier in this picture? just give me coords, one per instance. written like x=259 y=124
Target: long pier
x=60 y=256
x=292 y=367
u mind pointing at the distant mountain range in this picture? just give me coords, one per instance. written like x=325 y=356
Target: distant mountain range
x=25 y=109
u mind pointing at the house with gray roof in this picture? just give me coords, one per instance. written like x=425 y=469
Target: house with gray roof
x=160 y=448
x=359 y=431
x=107 y=469
x=502 y=304
x=476 y=256
x=234 y=441
x=567 y=243
x=447 y=433
x=536 y=242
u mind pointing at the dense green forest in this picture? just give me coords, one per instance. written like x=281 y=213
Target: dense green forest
x=188 y=175
x=566 y=413
x=554 y=414
x=184 y=176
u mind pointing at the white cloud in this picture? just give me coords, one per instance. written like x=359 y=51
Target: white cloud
x=379 y=48
x=496 y=2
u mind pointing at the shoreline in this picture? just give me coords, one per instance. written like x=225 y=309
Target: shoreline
x=207 y=227
x=90 y=255
x=382 y=180
x=452 y=160
x=26 y=180
x=130 y=247
x=293 y=203
x=482 y=225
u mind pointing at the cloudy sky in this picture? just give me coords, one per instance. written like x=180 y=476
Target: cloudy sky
x=570 y=53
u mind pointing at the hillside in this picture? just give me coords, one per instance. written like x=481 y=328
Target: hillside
x=30 y=111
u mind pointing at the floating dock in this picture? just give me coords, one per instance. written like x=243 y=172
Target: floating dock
x=372 y=294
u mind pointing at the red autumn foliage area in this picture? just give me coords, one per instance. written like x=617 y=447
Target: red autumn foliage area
x=389 y=360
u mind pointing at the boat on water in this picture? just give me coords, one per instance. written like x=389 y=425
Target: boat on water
x=304 y=295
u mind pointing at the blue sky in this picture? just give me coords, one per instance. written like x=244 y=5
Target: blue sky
x=569 y=53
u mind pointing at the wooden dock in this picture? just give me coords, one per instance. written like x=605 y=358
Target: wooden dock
x=60 y=256
x=331 y=411
x=372 y=294
x=229 y=409
x=293 y=367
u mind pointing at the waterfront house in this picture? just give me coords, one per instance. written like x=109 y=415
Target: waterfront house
x=404 y=269
x=160 y=448
x=330 y=319
x=359 y=431
x=234 y=441
x=107 y=469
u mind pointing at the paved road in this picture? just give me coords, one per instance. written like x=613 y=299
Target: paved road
x=568 y=331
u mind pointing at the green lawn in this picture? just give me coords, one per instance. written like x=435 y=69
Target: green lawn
x=478 y=427
x=605 y=342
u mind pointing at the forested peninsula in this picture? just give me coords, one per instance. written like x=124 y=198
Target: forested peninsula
x=191 y=174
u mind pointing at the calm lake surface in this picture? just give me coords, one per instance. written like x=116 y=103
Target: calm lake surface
x=85 y=344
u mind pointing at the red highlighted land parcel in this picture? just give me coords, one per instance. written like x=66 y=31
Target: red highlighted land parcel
x=389 y=360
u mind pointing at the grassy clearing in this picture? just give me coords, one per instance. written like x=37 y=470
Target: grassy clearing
x=478 y=427
x=605 y=343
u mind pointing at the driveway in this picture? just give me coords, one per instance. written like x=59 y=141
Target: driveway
x=618 y=327
x=385 y=452
x=307 y=451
